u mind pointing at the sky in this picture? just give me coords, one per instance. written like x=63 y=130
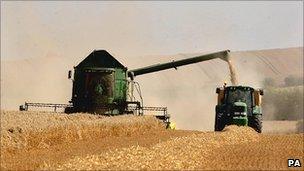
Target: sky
x=68 y=29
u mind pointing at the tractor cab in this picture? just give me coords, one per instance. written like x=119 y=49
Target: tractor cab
x=238 y=105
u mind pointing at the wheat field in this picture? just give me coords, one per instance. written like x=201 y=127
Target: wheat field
x=53 y=141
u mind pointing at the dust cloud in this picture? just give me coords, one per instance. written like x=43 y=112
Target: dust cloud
x=189 y=91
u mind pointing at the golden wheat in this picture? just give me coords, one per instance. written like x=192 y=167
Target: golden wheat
x=36 y=133
x=42 y=129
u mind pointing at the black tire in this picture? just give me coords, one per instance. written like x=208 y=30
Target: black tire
x=69 y=110
x=219 y=123
x=256 y=123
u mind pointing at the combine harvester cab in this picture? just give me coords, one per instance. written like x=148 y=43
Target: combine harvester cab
x=238 y=105
x=99 y=85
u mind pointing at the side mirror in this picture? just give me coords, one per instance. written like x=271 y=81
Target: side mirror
x=21 y=108
x=261 y=92
x=217 y=90
x=70 y=74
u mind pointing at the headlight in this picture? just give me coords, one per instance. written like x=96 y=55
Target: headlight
x=240 y=113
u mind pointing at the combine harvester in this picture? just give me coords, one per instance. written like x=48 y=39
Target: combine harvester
x=102 y=85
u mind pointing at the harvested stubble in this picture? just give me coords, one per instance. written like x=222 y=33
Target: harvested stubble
x=41 y=129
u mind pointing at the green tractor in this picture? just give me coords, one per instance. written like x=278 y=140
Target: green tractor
x=238 y=105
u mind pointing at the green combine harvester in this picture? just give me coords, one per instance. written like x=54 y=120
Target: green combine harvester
x=102 y=85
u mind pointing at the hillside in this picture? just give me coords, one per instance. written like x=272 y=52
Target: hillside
x=189 y=92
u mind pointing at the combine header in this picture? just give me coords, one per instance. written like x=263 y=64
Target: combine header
x=43 y=105
x=103 y=85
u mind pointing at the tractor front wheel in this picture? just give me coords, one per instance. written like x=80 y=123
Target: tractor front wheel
x=69 y=110
x=255 y=122
x=219 y=124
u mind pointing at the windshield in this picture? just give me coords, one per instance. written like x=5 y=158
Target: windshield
x=239 y=95
x=99 y=86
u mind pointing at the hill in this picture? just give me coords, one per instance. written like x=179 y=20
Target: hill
x=188 y=92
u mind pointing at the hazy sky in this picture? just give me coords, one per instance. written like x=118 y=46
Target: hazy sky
x=68 y=29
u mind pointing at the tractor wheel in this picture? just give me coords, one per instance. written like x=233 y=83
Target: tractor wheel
x=256 y=123
x=219 y=124
x=69 y=110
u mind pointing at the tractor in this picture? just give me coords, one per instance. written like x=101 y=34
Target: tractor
x=238 y=105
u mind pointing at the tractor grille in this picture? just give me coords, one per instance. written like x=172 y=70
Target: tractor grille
x=239 y=108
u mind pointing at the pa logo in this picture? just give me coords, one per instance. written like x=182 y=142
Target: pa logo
x=294 y=163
